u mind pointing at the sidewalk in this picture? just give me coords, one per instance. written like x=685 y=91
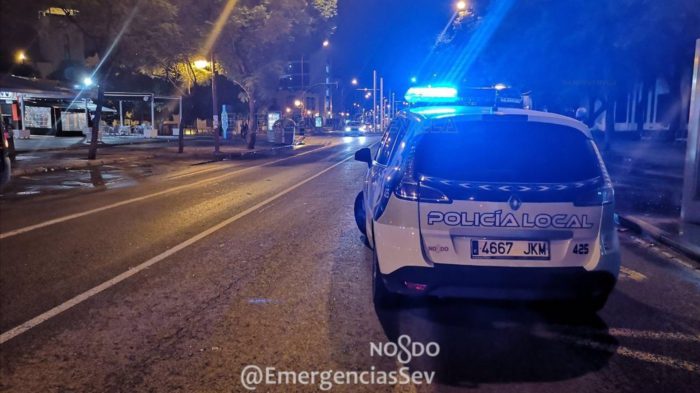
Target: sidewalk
x=50 y=143
x=62 y=155
x=648 y=179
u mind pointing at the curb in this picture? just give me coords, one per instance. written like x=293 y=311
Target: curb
x=644 y=228
x=81 y=145
x=75 y=164
x=84 y=164
x=254 y=152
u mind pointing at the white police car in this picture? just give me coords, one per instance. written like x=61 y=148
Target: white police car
x=491 y=203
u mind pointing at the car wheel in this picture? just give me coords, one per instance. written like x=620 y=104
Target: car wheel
x=360 y=213
x=383 y=298
x=594 y=304
x=583 y=305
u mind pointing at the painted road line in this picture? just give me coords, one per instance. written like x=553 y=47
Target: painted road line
x=620 y=350
x=628 y=273
x=16 y=331
x=69 y=217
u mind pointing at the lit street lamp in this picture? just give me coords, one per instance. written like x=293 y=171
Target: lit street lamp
x=21 y=57
x=354 y=81
x=326 y=43
x=201 y=64
x=461 y=5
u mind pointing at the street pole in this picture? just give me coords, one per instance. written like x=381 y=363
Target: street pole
x=303 y=93
x=215 y=104
x=374 y=101
x=381 y=103
x=153 y=112
x=181 y=131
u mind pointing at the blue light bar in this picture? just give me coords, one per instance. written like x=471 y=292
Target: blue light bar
x=432 y=95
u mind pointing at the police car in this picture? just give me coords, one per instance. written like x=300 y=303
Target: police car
x=488 y=202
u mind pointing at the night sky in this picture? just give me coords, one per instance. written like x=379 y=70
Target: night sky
x=393 y=36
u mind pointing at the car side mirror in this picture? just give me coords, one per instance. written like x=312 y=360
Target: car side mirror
x=364 y=155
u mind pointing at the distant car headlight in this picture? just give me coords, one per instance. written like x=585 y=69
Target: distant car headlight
x=348 y=129
x=363 y=128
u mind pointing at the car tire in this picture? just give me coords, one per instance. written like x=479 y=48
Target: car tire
x=5 y=170
x=594 y=304
x=383 y=298
x=360 y=213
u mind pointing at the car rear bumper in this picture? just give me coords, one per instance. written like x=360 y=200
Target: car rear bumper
x=481 y=282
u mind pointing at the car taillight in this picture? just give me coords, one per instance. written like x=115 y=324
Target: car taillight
x=603 y=195
x=412 y=191
x=410 y=188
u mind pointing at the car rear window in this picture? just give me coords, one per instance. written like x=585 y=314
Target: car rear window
x=507 y=152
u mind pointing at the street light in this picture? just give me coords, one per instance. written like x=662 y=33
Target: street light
x=297 y=103
x=21 y=57
x=326 y=43
x=500 y=86
x=354 y=81
x=461 y=5
x=414 y=79
x=201 y=64
x=87 y=81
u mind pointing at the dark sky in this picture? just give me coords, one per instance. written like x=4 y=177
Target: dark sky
x=393 y=36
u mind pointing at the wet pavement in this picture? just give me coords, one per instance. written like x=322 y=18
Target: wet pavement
x=95 y=178
x=283 y=280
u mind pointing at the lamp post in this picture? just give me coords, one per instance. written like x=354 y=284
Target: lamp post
x=203 y=64
x=215 y=104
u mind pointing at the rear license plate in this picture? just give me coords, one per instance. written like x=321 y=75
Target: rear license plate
x=510 y=249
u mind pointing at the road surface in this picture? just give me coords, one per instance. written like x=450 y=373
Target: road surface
x=180 y=281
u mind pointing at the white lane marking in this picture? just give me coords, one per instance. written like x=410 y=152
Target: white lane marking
x=16 y=331
x=69 y=217
x=622 y=351
x=648 y=334
x=627 y=332
x=641 y=355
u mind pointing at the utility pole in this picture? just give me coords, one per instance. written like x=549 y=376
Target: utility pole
x=215 y=104
x=181 y=131
x=374 y=101
x=303 y=94
x=381 y=103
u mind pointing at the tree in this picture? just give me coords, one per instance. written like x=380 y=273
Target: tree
x=126 y=35
x=259 y=37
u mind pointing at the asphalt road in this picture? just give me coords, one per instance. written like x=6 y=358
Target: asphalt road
x=260 y=263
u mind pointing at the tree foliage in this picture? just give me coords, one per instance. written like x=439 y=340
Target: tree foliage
x=128 y=34
x=565 y=49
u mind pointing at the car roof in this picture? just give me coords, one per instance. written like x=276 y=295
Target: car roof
x=475 y=113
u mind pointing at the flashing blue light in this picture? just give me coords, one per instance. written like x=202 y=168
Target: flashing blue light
x=427 y=111
x=432 y=94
